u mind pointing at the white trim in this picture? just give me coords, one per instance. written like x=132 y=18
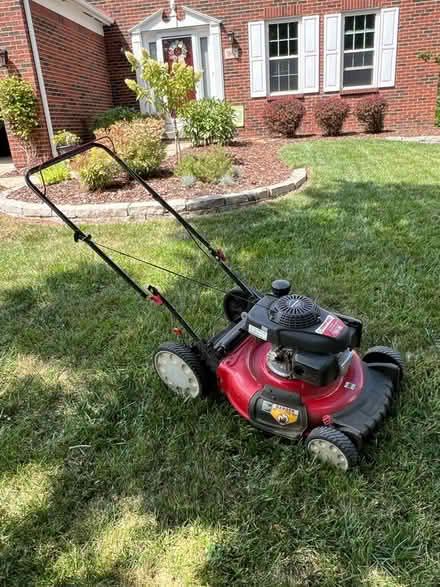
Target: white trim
x=310 y=54
x=192 y=18
x=332 y=54
x=387 y=48
x=40 y=78
x=375 y=49
x=298 y=56
x=80 y=12
x=257 y=58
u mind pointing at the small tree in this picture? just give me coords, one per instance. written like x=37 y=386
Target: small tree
x=19 y=108
x=167 y=90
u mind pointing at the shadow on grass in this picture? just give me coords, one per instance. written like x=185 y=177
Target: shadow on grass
x=108 y=430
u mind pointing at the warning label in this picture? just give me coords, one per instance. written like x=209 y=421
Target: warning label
x=331 y=327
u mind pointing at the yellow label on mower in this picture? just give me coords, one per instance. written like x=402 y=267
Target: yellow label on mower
x=284 y=416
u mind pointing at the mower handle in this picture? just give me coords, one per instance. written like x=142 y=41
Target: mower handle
x=217 y=254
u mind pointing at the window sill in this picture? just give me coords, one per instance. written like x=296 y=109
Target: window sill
x=352 y=91
x=273 y=97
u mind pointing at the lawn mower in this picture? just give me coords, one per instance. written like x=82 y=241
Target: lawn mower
x=285 y=364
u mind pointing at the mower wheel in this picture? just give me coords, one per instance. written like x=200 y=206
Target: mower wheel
x=235 y=302
x=332 y=446
x=181 y=370
x=381 y=354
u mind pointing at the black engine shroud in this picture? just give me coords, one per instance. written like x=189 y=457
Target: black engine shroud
x=317 y=336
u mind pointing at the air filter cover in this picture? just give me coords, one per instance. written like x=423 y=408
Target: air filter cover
x=295 y=312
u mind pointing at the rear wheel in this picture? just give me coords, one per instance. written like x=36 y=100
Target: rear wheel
x=332 y=446
x=384 y=354
x=181 y=370
x=235 y=302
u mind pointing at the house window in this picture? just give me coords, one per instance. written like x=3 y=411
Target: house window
x=359 y=43
x=283 y=57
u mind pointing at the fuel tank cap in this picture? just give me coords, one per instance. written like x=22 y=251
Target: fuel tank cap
x=280 y=287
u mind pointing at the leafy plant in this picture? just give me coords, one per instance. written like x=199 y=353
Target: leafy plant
x=330 y=114
x=209 y=121
x=56 y=174
x=208 y=167
x=66 y=138
x=284 y=116
x=18 y=106
x=96 y=169
x=107 y=118
x=371 y=113
x=167 y=89
x=139 y=143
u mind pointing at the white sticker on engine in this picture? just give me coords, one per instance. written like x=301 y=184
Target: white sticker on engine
x=349 y=385
x=258 y=332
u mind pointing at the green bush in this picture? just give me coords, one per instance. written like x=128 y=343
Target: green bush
x=209 y=121
x=139 y=143
x=56 y=174
x=208 y=167
x=96 y=169
x=106 y=119
x=18 y=106
x=66 y=138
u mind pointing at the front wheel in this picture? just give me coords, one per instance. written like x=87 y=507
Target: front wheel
x=332 y=446
x=181 y=370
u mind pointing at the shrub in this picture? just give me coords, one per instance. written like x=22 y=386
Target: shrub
x=56 y=174
x=208 y=167
x=284 y=116
x=96 y=169
x=139 y=143
x=371 y=113
x=18 y=106
x=330 y=114
x=65 y=137
x=209 y=121
x=109 y=117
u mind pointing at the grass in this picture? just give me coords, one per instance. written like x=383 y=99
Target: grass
x=107 y=479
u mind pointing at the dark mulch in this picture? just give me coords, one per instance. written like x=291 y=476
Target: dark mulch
x=258 y=160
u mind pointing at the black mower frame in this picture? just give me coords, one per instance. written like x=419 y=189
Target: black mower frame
x=80 y=236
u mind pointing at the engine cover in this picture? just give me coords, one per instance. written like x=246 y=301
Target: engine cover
x=297 y=323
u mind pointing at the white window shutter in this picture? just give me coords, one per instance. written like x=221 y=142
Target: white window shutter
x=310 y=54
x=257 y=58
x=388 y=47
x=332 y=52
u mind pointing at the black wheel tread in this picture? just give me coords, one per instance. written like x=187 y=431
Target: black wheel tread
x=374 y=353
x=339 y=439
x=191 y=359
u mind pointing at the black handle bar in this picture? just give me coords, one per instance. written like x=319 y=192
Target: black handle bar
x=81 y=236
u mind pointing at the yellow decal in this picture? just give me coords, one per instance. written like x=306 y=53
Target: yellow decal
x=284 y=415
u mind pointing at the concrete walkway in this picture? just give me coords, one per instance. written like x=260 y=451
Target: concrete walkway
x=6 y=165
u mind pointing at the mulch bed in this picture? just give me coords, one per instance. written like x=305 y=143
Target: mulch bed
x=258 y=160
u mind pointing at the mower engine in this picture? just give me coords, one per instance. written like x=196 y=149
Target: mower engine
x=298 y=374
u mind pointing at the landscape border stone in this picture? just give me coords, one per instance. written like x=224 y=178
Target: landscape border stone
x=120 y=212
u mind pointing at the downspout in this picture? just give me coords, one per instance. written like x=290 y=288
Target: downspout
x=42 y=87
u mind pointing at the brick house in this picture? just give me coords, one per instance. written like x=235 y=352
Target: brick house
x=249 y=53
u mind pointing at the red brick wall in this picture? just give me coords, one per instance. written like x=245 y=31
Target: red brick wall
x=74 y=65
x=14 y=38
x=412 y=100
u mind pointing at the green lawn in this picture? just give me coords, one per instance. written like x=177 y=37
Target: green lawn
x=107 y=479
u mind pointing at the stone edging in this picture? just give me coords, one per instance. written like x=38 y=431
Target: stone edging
x=144 y=210
x=429 y=140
